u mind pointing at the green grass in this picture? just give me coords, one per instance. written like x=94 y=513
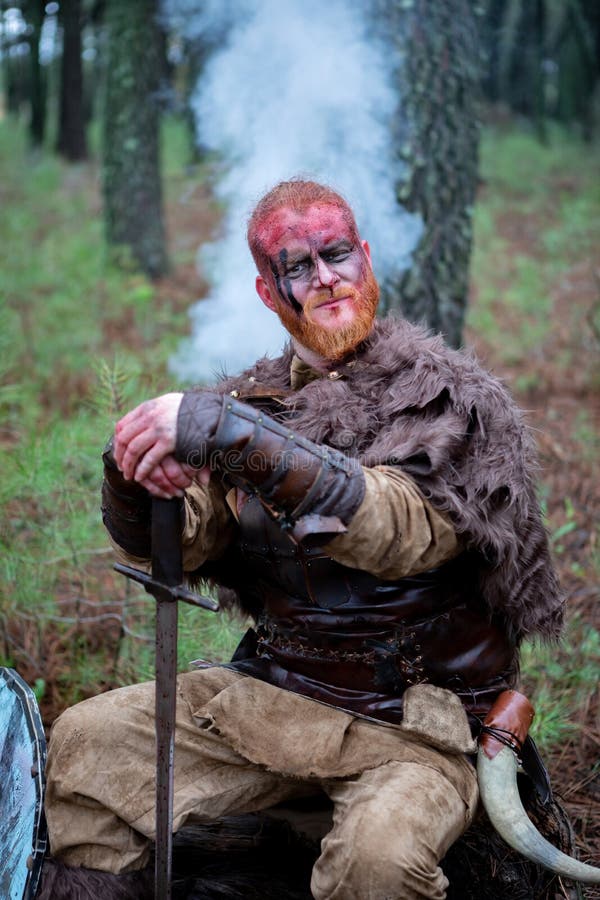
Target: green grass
x=550 y=194
x=516 y=161
x=559 y=683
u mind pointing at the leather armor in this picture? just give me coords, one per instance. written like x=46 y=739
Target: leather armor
x=352 y=640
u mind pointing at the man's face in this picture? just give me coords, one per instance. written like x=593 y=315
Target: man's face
x=319 y=279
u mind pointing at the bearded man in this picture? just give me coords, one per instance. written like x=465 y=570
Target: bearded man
x=367 y=498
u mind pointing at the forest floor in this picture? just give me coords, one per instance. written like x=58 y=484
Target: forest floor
x=71 y=626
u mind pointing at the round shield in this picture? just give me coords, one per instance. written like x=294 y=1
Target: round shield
x=22 y=761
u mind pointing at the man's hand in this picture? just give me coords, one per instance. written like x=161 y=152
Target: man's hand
x=170 y=477
x=144 y=443
x=146 y=435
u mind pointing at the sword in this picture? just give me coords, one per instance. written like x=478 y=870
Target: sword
x=165 y=585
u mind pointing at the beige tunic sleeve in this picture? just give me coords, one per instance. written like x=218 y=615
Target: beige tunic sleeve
x=209 y=525
x=395 y=531
x=208 y=528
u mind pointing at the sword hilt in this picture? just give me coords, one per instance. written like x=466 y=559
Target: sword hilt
x=165 y=585
x=173 y=592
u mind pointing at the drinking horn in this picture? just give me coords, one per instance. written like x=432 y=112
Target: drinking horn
x=503 y=733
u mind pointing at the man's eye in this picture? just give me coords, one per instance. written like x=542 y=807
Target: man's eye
x=295 y=269
x=337 y=255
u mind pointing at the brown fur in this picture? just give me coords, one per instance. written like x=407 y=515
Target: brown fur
x=410 y=400
x=60 y=882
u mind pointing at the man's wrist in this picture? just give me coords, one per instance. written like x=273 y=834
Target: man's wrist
x=126 y=509
x=197 y=422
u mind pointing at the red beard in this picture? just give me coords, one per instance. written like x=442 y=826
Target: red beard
x=334 y=343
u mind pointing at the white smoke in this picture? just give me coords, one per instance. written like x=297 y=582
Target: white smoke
x=295 y=88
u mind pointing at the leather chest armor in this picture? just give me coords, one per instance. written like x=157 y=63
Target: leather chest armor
x=352 y=640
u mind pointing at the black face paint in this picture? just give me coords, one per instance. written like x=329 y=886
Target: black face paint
x=289 y=294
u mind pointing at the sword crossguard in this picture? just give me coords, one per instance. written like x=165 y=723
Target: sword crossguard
x=164 y=591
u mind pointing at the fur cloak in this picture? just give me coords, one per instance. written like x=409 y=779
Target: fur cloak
x=407 y=399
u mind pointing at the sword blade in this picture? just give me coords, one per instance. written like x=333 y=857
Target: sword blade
x=167 y=569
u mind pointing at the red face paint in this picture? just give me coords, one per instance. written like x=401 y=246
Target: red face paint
x=316 y=250
x=321 y=277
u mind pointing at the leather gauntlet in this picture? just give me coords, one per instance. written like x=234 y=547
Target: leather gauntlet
x=126 y=509
x=310 y=488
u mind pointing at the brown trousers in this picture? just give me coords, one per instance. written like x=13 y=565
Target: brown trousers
x=242 y=745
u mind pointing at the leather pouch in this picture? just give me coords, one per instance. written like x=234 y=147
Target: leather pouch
x=436 y=717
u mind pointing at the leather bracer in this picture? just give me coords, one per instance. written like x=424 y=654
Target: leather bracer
x=309 y=488
x=507 y=723
x=126 y=509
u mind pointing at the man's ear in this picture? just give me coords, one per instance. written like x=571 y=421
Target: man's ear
x=367 y=249
x=264 y=292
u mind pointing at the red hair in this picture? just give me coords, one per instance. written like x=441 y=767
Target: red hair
x=297 y=195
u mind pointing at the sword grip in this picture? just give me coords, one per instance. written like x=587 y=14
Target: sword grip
x=167 y=522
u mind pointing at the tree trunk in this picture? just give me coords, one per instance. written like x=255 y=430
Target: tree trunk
x=585 y=20
x=437 y=135
x=494 y=19
x=8 y=85
x=16 y=82
x=539 y=45
x=71 y=142
x=195 y=54
x=131 y=169
x=34 y=12
x=524 y=76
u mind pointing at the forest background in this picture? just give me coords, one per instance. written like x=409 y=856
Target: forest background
x=90 y=318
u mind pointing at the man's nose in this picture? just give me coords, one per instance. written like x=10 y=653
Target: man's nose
x=325 y=275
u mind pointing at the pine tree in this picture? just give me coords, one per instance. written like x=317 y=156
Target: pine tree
x=131 y=169
x=71 y=141
x=436 y=133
